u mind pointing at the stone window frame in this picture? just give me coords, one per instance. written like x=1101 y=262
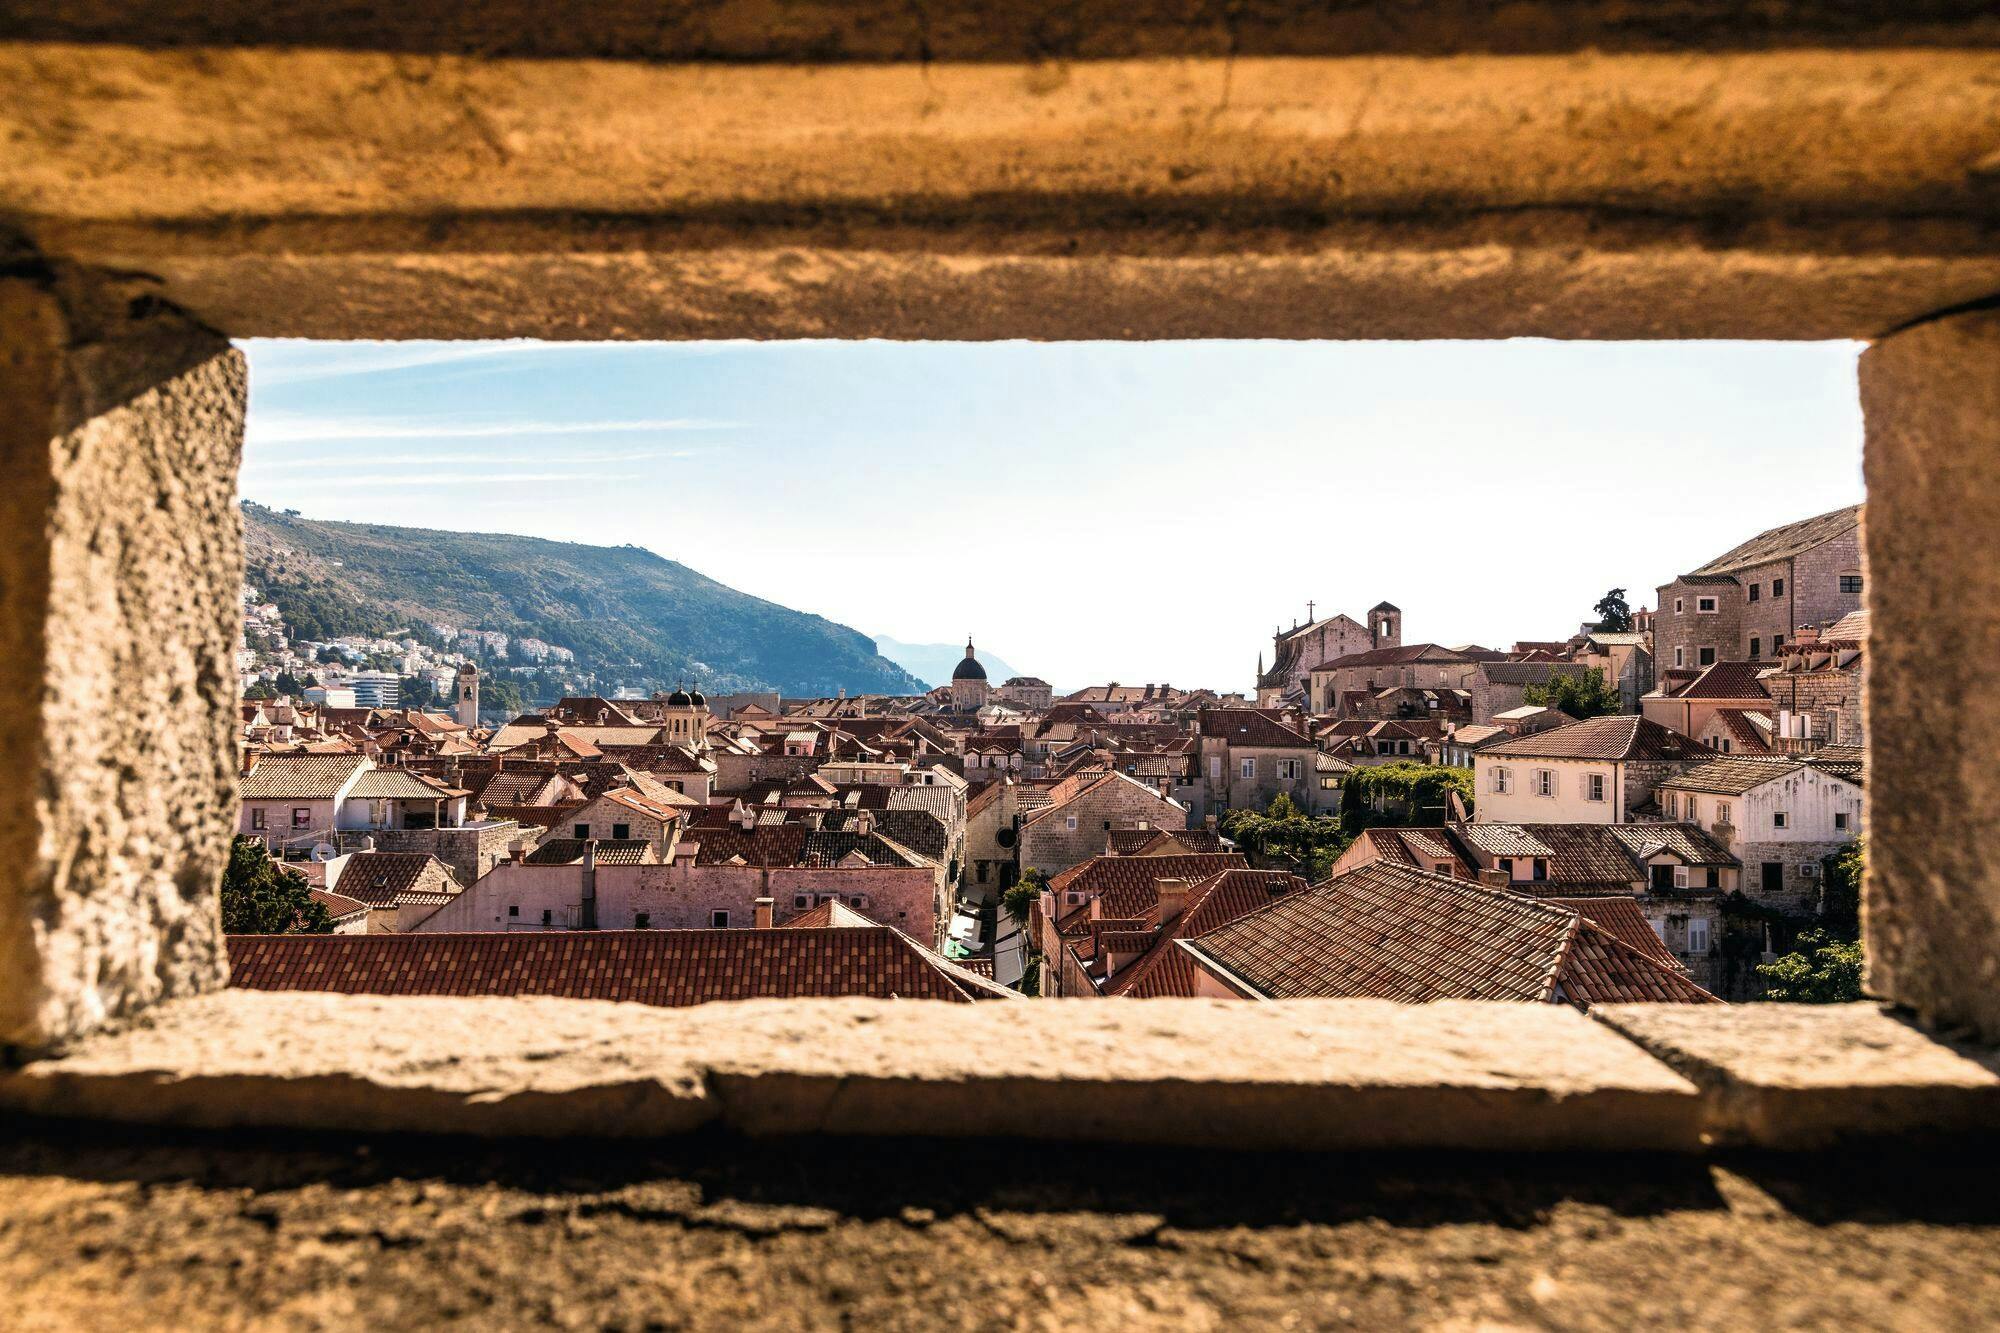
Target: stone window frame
x=122 y=360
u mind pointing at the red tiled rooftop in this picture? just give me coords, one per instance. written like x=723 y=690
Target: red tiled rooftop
x=658 y=967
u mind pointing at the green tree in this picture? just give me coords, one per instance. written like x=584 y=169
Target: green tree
x=261 y=690
x=1821 y=969
x=1580 y=694
x=1840 y=880
x=1614 y=613
x=261 y=897
x=1404 y=793
x=1284 y=837
x=1020 y=897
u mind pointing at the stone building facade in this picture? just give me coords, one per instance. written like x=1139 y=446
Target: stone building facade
x=518 y=896
x=1072 y=829
x=1748 y=603
x=1296 y=651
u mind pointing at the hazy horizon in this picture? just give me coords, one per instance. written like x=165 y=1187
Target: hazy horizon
x=1052 y=498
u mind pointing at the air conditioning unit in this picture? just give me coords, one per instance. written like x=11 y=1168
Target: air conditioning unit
x=1810 y=869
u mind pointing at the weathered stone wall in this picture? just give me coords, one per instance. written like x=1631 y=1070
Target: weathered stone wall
x=120 y=561
x=1691 y=630
x=1817 y=596
x=1049 y=845
x=1931 y=398
x=469 y=852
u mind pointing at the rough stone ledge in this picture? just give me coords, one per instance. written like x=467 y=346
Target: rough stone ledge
x=1320 y=1075
x=1806 y=1076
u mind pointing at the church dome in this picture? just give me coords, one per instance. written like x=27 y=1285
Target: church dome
x=969 y=669
x=680 y=699
x=696 y=699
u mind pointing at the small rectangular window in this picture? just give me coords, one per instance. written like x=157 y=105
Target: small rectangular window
x=302 y=817
x=257 y=818
x=1756 y=589
x=1705 y=657
x=719 y=919
x=1680 y=657
x=1850 y=583
x=1780 y=819
x=1840 y=820
x=1697 y=935
x=1680 y=605
x=1541 y=869
x=581 y=831
x=1545 y=782
x=1069 y=823
x=621 y=831
x=1248 y=768
x=1704 y=604
x=513 y=910
x=1596 y=787
x=1777 y=587
x=642 y=920
x=548 y=917
x=1756 y=647
x=1722 y=812
x=1777 y=644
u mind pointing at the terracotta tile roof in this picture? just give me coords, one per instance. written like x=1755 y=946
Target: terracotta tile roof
x=1734 y=775
x=383 y=879
x=512 y=788
x=1620 y=916
x=778 y=845
x=1600 y=968
x=1727 y=680
x=1389 y=932
x=1749 y=732
x=338 y=905
x=1424 y=848
x=829 y=914
x=398 y=784
x=1850 y=628
x=1688 y=842
x=659 y=967
x=610 y=852
x=1164 y=970
x=1530 y=673
x=299 y=777
x=1785 y=541
x=1163 y=842
x=1620 y=737
x=1127 y=886
x=1249 y=726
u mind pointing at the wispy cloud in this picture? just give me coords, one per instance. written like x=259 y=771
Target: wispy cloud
x=294 y=361
x=303 y=427
x=461 y=479
x=336 y=463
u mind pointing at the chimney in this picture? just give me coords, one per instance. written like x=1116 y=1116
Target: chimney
x=1495 y=878
x=864 y=822
x=587 y=914
x=1209 y=822
x=1173 y=898
x=762 y=915
x=517 y=851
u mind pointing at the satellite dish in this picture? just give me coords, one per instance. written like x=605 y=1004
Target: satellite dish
x=324 y=851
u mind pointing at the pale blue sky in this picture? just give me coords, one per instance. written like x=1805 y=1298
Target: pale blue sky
x=1093 y=511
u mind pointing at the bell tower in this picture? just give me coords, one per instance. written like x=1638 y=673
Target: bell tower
x=465 y=695
x=1385 y=626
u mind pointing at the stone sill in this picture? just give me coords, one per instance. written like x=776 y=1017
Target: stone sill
x=1319 y=1075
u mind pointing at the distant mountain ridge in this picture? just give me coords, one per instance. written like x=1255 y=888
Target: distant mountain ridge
x=935 y=662
x=631 y=617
